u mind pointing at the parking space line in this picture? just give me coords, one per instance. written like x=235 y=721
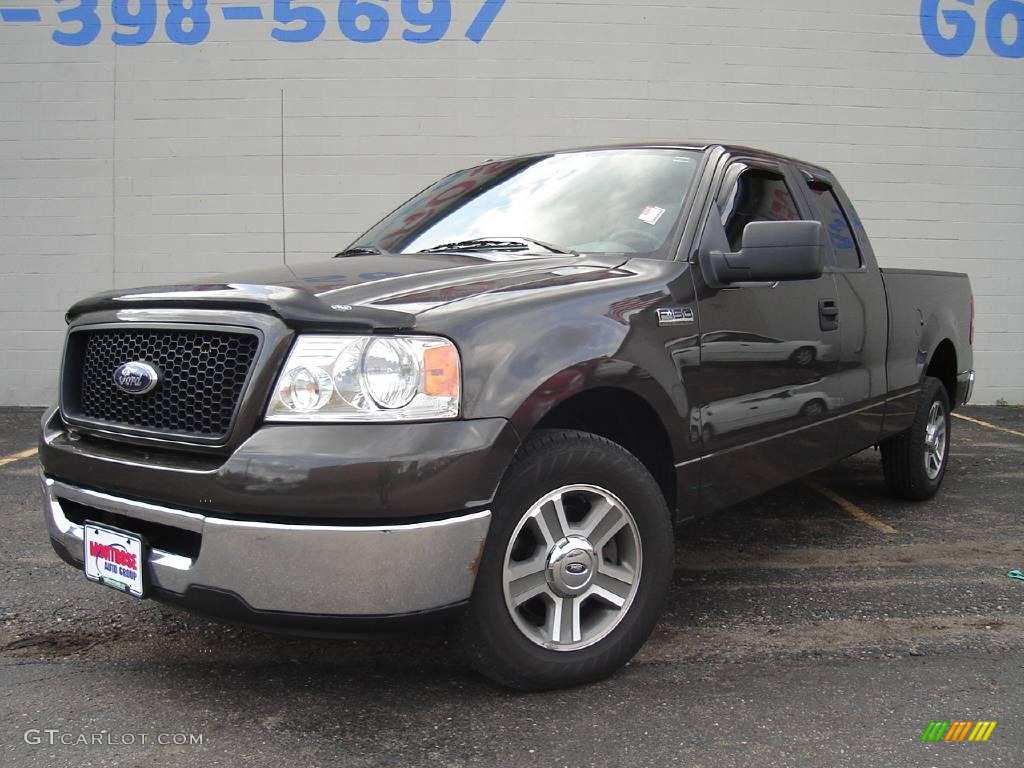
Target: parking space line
x=850 y=508
x=13 y=457
x=990 y=426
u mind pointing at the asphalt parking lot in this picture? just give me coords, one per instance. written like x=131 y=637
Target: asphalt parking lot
x=820 y=625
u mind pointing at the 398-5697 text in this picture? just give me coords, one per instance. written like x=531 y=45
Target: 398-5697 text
x=188 y=22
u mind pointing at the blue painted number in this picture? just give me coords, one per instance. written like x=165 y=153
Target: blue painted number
x=362 y=22
x=144 y=21
x=312 y=19
x=85 y=14
x=195 y=14
x=484 y=18
x=436 y=20
x=367 y=21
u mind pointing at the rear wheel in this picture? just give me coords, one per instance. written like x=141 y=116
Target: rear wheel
x=914 y=462
x=815 y=409
x=576 y=566
x=803 y=356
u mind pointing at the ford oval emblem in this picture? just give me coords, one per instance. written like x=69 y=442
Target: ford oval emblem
x=136 y=377
x=576 y=569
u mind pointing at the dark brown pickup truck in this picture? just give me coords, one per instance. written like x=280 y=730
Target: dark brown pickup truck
x=497 y=402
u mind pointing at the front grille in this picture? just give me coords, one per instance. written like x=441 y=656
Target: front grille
x=202 y=376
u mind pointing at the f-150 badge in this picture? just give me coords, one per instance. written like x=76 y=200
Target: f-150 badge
x=675 y=315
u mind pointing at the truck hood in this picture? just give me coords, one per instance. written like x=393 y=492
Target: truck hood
x=384 y=292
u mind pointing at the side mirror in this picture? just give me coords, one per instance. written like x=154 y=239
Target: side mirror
x=773 y=250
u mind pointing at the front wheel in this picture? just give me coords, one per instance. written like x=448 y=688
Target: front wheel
x=914 y=462
x=576 y=566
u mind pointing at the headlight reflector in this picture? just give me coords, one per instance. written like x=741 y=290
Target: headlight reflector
x=368 y=378
x=391 y=375
x=305 y=389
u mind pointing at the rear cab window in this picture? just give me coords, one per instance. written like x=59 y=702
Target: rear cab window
x=830 y=211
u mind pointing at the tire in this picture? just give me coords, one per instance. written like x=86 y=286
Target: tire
x=815 y=409
x=914 y=461
x=804 y=356
x=536 y=558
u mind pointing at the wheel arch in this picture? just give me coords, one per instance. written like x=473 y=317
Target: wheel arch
x=623 y=415
x=942 y=365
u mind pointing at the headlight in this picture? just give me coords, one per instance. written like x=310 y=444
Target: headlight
x=367 y=378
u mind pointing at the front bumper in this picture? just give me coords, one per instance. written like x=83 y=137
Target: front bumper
x=272 y=573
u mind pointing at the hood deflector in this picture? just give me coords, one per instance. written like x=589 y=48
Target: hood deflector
x=297 y=308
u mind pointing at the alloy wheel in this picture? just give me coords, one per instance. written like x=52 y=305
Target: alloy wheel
x=572 y=567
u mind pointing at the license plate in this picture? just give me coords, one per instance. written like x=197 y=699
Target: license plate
x=114 y=557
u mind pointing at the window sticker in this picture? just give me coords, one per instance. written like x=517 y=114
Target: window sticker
x=651 y=214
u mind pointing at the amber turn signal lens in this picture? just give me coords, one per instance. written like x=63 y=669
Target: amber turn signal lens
x=441 y=371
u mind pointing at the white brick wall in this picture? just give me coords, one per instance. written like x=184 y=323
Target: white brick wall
x=135 y=165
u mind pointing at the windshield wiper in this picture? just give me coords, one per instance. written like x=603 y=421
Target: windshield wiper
x=496 y=244
x=361 y=250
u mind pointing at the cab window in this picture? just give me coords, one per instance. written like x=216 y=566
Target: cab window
x=757 y=195
x=840 y=233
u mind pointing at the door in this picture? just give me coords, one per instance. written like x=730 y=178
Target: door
x=769 y=352
x=863 y=316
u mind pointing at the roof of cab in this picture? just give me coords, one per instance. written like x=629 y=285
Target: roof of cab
x=733 y=149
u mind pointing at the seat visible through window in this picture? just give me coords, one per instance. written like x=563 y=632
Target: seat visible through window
x=757 y=196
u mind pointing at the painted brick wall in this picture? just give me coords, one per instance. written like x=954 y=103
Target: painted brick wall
x=128 y=165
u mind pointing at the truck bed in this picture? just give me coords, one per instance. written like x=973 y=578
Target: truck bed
x=924 y=303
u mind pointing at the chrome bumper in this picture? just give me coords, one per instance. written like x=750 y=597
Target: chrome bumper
x=297 y=569
x=964 y=387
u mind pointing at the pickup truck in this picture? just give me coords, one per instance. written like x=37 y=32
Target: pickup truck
x=497 y=403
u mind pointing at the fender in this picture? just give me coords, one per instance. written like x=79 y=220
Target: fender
x=603 y=374
x=941 y=324
x=540 y=346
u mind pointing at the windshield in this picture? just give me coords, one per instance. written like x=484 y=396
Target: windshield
x=601 y=201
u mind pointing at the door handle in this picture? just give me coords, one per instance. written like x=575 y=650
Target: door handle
x=828 y=314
